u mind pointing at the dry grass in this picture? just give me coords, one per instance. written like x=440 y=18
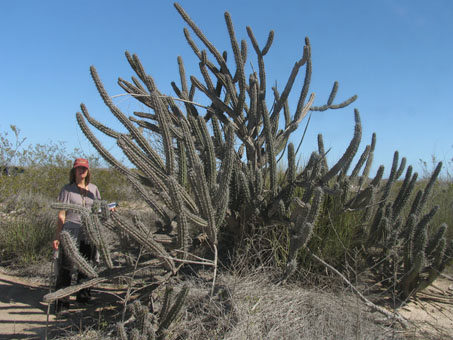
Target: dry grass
x=252 y=307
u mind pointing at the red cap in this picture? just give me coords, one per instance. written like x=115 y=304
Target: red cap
x=81 y=162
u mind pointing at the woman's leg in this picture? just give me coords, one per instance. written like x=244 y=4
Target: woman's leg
x=64 y=272
x=84 y=295
x=63 y=279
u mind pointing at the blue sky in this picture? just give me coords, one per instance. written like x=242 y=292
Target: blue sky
x=397 y=56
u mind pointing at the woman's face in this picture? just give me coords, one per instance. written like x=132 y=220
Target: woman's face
x=81 y=173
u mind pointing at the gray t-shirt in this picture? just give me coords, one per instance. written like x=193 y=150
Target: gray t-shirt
x=72 y=194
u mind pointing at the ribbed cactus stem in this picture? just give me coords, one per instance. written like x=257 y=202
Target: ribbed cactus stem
x=102 y=151
x=135 y=133
x=360 y=162
x=374 y=227
x=429 y=186
x=68 y=206
x=72 y=252
x=435 y=239
x=188 y=141
x=269 y=149
x=390 y=180
x=147 y=241
x=405 y=192
x=166 y=303
x=239 y=64
x=218 y=140
x=245 y=191
x=401 y=168
x=210 y=164
x=362 y=199
x=173 y=312
x=369 y=161
x=377 y=178
x=291 y=176
x=438 y=253
x=182 y=162
x=105 y=211
x=102 y=244
x=183 y=228
x=196 y=131
x=318 y=195
x=182 y=75
x=350 y=151
x=302 y=230
x=226 y=169
x=206 y=202
x=150 y=200
x=409 y=280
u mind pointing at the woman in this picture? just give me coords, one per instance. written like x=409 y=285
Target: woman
x=81 y=192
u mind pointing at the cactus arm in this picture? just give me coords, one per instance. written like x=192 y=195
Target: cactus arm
x=289 y=84
x=172 y=312
x=151 y=201
x=165 y=132
x=269 y=149
x=166 y=303
x=261 y=54
x=101 y=127
x=377 y=178
x=102 y=244
x=148 y=242
x=119 y=115
x=429 y=186
x=210 y=163
x=239 y=65
x=202 y=37
x=406 y=190
x=72 y=252
x=182 y=164
x=361 y=161
x=98 y=146
x=198 y=179
x=350 y=151
x=369 y=161
x=183 y=229
x=218 y=141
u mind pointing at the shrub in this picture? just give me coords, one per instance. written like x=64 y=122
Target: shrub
x=27 y=229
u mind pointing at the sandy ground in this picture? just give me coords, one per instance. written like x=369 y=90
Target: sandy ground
x=432 y=310
x=24 y=316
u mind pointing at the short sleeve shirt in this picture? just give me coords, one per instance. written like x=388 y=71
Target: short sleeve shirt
x=71 y=194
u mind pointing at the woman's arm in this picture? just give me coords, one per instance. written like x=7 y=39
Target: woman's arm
x=60 y=222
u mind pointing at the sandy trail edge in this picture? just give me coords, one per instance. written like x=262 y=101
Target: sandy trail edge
x=23 y=315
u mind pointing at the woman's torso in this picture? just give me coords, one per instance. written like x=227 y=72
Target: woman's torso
x=73 y=195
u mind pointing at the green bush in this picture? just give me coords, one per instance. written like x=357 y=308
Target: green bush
x=27 y=229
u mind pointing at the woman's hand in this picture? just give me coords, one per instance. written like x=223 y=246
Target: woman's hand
x=55 y=244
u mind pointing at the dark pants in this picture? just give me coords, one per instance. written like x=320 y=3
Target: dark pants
x=64 y=273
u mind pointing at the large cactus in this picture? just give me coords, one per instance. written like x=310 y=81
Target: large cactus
x=399 y=241
x=217 y=174
x=394 y=234
x=224 y=184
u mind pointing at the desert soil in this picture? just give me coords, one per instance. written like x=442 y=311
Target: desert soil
x=23 y=315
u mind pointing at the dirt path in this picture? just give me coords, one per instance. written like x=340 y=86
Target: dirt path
x=22 y=314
